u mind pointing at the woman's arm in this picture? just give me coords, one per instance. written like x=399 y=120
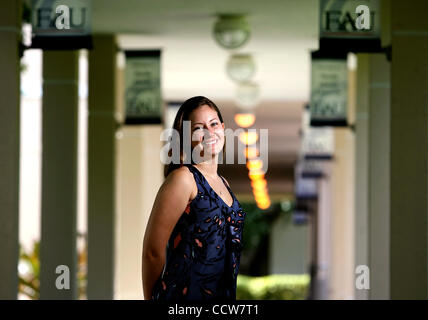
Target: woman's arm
x=171 y=201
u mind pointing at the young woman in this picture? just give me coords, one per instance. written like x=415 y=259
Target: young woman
x=193 y=238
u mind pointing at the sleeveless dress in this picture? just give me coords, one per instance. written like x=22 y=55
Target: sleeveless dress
x=204 y=249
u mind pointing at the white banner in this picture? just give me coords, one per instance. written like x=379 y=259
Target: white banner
x=318 y=143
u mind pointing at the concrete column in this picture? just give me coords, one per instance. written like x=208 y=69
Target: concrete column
x=379 y=179
x=343 y=197
x=140 y=175
x=343 y=272
x=10 y=28
x=59 y=172
x=372 y=156
x=102 y=126
x=294 y=240
x=362 y=168
x=409 y=151
x=324 y=241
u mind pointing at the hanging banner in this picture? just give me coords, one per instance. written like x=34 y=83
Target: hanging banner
x=143 y=103
x=300 y=217
x=61 y=24
x=329 y=88
x=355 y=23
x=305 y=187
x=318 y=144
x=301 y=210
x=350 y=19
x=312 y=169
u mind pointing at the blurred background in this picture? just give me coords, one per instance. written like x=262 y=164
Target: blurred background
x=88 y=87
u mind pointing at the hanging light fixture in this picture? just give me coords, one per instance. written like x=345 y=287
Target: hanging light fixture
x=240 y=67
x=247 y=95
x=231 y=31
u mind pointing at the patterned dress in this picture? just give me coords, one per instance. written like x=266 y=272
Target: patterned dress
x=203 y=252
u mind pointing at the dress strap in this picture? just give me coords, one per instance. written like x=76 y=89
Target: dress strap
x=224 y=181
x=196 y=175
x=228 y=188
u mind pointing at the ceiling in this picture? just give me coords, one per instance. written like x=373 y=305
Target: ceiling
x=283 y=34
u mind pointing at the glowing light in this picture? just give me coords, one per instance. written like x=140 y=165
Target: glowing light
x=263 y=201
x=259 y=193
x=255 y=165
x=259 y=184
x=263 y=205
x=248 y=137
x=255 y=175
x=251 y=152
x=245 y=120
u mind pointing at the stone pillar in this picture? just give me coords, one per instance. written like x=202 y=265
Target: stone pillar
x=362 y=168
x=140 y=175
x=342 y=220
x=324 y=241
x=372 y=156
x=379 y=178
x=59 y=172
x=10 y=28
x=102 y=126
x=409 y=150
x=343 y=197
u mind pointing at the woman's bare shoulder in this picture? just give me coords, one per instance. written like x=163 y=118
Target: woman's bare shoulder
x=182 y=173
x=182 y=177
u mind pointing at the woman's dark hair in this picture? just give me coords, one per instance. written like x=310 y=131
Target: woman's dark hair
x=183 y=114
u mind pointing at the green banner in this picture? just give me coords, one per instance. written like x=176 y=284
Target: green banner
x=142 y=87
x=350 y=19
x=329 y=89
x=61 y=24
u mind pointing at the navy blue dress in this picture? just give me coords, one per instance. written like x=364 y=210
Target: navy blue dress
x=204 y=249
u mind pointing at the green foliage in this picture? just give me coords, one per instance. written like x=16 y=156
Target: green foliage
x=29 y=283
x=273 y=287
x=257 y=225
x=254 y=229
x=29 y=272
x=257 y=228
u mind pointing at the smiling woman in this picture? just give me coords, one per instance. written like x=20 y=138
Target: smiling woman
x=193 y=239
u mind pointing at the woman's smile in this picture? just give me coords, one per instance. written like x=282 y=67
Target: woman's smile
x=210 y=142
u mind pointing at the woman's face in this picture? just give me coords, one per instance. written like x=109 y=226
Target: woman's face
x=207 y=131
